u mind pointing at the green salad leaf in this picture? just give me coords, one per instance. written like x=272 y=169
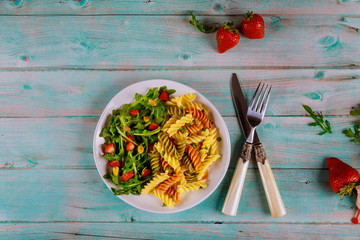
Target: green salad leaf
x=128 y=129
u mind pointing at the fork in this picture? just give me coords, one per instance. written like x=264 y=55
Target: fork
x=255 y=115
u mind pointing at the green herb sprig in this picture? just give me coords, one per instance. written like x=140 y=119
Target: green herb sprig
x=353 y=135
x=201 y=27
x=319 y=120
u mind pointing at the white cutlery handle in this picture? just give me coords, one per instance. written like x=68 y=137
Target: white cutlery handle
x=272 y=193
x=233 y=195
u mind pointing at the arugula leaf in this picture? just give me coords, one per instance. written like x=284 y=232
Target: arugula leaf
x=201 y=27
x=319 y=120
x=353 y=135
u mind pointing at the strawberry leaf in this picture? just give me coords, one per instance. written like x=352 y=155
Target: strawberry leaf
x=201 y=27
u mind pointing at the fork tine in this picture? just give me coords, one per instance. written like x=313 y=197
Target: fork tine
x=264 y=106
x=261 y=97
x=251 y=105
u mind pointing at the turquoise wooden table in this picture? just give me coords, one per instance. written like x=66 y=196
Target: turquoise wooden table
x=62 y=61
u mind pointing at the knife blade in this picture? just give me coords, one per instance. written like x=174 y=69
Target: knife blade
x=241 y=108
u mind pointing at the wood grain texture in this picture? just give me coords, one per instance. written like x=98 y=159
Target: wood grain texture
x=218 y=7
x=86 y=93
x=178 y=231
x=125 y=42
x=80 y=195
x=66 y=143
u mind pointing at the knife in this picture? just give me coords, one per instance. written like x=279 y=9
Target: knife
x=273 y=196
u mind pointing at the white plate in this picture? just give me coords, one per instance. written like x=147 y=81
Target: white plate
x=149 y=202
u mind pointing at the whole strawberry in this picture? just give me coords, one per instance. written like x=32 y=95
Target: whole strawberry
x=227 y=37
x=342 y=177
x=253 y=26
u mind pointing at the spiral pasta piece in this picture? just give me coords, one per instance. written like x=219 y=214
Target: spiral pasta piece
x=174 y=110
x=181 y=145
x=166 y=199
x=191 y=186
x=197 y=105
x=206 y=164
x=194 y=128
x=164 y=186
x=188 y=163
x=167 y=144
x=194 y=156
x=179 y=124
x=171 y=192
x=190 y=177
x=168 y=123
x=197 y=138
x=165 y=166
x=181 y=101
x=209 y=146
x=201 y=115
x=154 y=182
x=155 y=161
x=173 y=162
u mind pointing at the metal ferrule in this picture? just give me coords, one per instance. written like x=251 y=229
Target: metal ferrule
x=260 y=154
x=246 y=152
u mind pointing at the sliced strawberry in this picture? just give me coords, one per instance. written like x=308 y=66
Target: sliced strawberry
x=114 y=164
x=146 y=172
x=151 y=147
x=130 y=146
x=129 y=137
x=134 y=112
x=127 y=176
x=110 y=149
x=164 y=96
x=153 y=126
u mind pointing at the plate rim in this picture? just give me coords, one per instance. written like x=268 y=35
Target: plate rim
x=156 y=81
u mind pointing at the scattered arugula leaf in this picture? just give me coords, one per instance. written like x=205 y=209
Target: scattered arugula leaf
x=319 y=120
x=353 y=135
x=201 y=27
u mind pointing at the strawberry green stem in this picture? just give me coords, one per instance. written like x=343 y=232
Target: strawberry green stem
x=249 y=15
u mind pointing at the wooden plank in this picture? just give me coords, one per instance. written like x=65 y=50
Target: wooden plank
x=114 y=42
x=28 y=7
x=80 y=195
x=177 y=231
x=56 y=93
x=66 y=143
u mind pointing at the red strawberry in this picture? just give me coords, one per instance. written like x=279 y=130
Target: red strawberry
x=134 y=112
x=110 y=149
x=130 y=146
x=164 y=96
x=342 y=177
x=227 y=37
x=153 y=126
x=253 y=26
